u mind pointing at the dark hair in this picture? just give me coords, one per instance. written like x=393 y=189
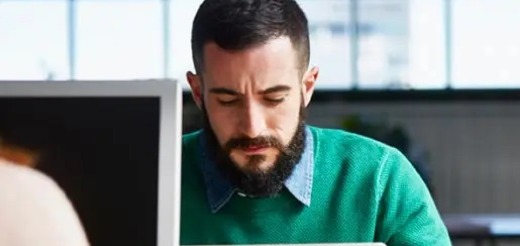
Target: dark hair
x=241 y=24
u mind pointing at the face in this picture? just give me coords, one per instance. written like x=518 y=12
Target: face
x=253 y=100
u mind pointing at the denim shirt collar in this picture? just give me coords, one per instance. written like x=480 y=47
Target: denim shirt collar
x=219 y=190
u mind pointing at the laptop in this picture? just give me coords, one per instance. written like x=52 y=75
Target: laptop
x=114 y=147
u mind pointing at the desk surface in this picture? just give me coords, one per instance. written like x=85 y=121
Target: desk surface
x=483 y=225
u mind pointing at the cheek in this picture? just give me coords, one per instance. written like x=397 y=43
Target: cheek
x=222 y=124
x=285 y=121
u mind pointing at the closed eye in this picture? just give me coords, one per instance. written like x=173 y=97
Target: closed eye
x=278 y=100
x=274 y=101
x=227 y=102
x=275 y=97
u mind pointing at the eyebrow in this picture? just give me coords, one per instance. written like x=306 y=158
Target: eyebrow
x=274 y=89
x=224 y=91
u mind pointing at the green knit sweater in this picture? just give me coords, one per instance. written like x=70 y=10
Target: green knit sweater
x=363 y=191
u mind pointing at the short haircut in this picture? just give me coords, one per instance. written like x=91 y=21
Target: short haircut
x=240 y=24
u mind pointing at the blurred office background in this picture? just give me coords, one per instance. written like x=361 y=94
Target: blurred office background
x=439 y=79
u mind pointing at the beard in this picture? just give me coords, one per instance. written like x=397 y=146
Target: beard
x=250 y=179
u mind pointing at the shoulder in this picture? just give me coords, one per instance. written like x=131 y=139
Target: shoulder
x=350 y=146
x=33 y=207
x=24 y=188
x=191 y=155
x=23 y=179
x=357 y=157
x=189 y=140
x=190 y=146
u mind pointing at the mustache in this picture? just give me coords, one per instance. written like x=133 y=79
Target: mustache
x=246 y=142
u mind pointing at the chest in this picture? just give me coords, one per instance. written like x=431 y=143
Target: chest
x=281 y=223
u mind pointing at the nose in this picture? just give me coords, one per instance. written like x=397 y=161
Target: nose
x=253 y=120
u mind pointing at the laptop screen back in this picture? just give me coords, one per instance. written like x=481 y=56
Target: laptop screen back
x=103 y=151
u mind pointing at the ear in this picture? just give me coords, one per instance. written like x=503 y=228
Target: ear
x=196 y=88
x=308 y=83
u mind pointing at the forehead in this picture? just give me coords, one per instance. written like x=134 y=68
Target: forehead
x=274 y=62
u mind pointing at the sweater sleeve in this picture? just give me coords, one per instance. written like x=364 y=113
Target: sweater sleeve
x=407 y=214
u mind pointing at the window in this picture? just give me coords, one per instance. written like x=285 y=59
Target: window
x=33 y=40
x=119 y=40
x=403 y=46
x=182 y=13
x=330 y=38
x=427 y=45
x=400 y=44
x=486 y=44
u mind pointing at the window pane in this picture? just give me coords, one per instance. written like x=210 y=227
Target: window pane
x=486 y=43
x=33 y=40
x=401 y=44
x=330 y=41
x=119 y=39
x=182 y=13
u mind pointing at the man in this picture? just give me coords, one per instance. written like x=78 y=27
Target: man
x=256 y=173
